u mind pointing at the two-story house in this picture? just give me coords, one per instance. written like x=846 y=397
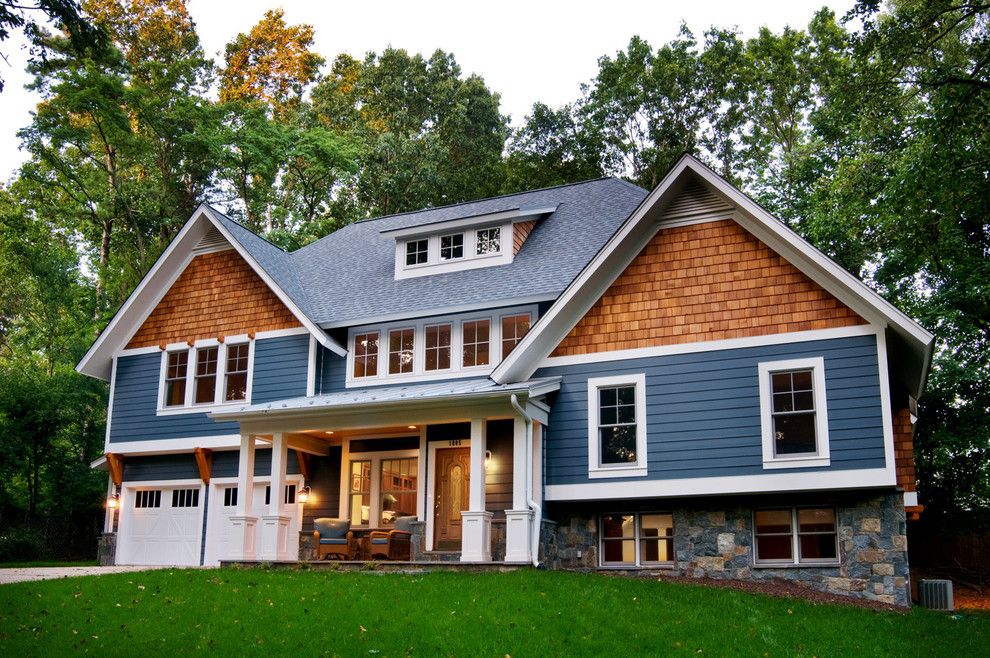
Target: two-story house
x=585 y=376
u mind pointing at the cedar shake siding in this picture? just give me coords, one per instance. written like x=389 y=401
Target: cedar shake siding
x=218 y=294
x=904 y=449
x=704 y=282
x=520 y=231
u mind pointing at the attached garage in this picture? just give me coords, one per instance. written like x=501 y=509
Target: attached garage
x=161 y=525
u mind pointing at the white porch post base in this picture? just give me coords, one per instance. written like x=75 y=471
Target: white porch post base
x=274 y=537
x=242 y=533
x=476 y=536
x=517 y=528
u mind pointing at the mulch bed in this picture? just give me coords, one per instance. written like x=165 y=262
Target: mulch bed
x=780 y=588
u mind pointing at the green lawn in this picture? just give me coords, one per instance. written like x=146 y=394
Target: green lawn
x=524 y=613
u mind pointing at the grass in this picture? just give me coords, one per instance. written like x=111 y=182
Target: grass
x=48 y=563
x=524 y=613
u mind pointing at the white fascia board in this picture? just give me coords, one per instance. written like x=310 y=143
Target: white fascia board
x=712 y=486
x=314 y=329
x=585 y=290
x=514 y=215
x=442 y=311
x=139 y=304
x=171 y=446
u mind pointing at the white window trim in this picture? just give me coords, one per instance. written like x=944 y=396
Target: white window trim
x=637 y=536
x=376 y=458
x=795 y=560
x=821 y=456
x=468 y=261
x=189 y=407
x=420 y=373
x=595 y=467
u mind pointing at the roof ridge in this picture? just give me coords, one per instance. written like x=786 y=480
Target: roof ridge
x=487 y=198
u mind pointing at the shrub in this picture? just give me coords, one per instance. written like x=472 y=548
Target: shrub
x=21 y=545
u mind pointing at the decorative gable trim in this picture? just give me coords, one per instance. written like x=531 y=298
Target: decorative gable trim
x=588 y=287
x=156 y=283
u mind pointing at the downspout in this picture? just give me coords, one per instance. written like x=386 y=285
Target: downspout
x=534 y=530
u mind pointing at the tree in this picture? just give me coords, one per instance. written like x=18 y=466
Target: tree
x=273 y=64
x=64 y=14
x=428 y=134
x=551 y=148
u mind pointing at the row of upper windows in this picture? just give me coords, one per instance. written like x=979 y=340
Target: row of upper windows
x=451 y=247
x=793 y=419
x=788 y=536
x=430 y=347
x=205 y=375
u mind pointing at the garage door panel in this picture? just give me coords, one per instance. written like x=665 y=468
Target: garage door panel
x=163 y=534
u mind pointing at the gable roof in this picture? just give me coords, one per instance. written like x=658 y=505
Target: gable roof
x=602 y=270
x=262 y=256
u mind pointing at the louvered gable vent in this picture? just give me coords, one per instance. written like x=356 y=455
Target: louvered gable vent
x=696 y=199
x=212 y=241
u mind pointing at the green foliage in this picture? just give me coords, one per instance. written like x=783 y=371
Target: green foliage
x=21 y=545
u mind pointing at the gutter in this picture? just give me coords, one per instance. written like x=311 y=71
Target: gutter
x=534 y=530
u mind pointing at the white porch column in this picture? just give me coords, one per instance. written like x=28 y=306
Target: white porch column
x=275 y=522
x=518 y=520
x=242 y=524
x=476 y=523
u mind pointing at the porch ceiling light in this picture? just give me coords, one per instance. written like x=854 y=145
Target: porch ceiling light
x=329 y=432
x=412 y=427
x=113 y=501
x=304 y=495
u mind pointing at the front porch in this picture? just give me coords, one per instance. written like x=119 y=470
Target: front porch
x=457 y=467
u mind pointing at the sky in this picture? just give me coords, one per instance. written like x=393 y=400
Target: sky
x=527 y=51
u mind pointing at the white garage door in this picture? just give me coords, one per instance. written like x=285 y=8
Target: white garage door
x=161 y=526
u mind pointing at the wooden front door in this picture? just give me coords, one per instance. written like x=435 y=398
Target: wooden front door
x=451 y=496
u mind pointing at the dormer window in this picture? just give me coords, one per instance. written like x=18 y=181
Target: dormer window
x=488 y=241
x=417 y=252
x=465 y=243
x=452 y=246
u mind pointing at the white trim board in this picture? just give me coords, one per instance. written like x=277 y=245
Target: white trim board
x=721 y=486
x=169 y=446
x=712 y=345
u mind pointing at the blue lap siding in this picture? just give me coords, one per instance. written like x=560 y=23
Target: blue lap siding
x=280 y=371
x=703 y=410
x=182 y=466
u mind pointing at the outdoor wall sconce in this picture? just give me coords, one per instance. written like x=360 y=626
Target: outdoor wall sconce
x=488 y=459
x=113 y=501
x=304 y=495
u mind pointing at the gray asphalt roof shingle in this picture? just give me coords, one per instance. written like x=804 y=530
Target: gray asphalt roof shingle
x=347 y=277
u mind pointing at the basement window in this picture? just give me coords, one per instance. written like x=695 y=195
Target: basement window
x=636 y=540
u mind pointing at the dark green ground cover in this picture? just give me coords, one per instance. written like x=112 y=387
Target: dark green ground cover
x=524 y=613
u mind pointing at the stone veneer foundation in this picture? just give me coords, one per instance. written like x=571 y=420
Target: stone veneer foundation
x=714 y=539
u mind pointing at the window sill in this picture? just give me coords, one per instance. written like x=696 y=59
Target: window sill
x=617 y=472
x=796 y=565
x=796 y=462
x=200 y=409
x=638 y=567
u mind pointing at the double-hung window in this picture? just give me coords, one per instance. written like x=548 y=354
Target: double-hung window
x=642 y=539
x=795 y=536
x=400 y=351
x=206 y=375
x=514 y=327
x=176 y=364
x=366 y=355
x=793 y=413
x=475 y=343
x=236 y=375
x=438 y=347
x=617 y=426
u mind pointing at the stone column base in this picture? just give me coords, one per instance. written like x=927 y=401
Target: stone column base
x=106 y=549
x=518 y=526
x=242 y=533
x=476 y=536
